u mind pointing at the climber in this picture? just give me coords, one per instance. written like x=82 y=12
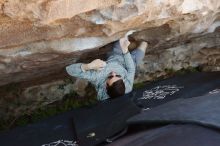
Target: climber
x=114 y=77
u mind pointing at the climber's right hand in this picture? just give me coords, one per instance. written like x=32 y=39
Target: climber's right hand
x=96 y=64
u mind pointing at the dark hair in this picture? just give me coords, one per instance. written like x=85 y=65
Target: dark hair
x=116 y=89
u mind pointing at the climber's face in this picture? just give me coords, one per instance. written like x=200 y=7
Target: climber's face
x=112 y=77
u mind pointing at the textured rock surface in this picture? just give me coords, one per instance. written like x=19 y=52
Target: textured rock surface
x=38 y=38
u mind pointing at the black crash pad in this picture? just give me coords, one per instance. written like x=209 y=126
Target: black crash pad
x=172 y=135
x=181 y=86
x=88 y=126
x=202 y=110
x=95 y=125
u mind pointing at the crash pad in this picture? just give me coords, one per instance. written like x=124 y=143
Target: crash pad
x=202 y=110
x=181 y=86
x=172 y=135
x=104 y=121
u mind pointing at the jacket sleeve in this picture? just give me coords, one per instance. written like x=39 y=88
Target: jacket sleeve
x=130 y=67
x=76 y=71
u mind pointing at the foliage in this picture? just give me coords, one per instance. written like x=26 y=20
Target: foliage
x=69 y=102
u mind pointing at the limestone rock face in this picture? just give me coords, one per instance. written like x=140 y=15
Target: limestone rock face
x=38 y=38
